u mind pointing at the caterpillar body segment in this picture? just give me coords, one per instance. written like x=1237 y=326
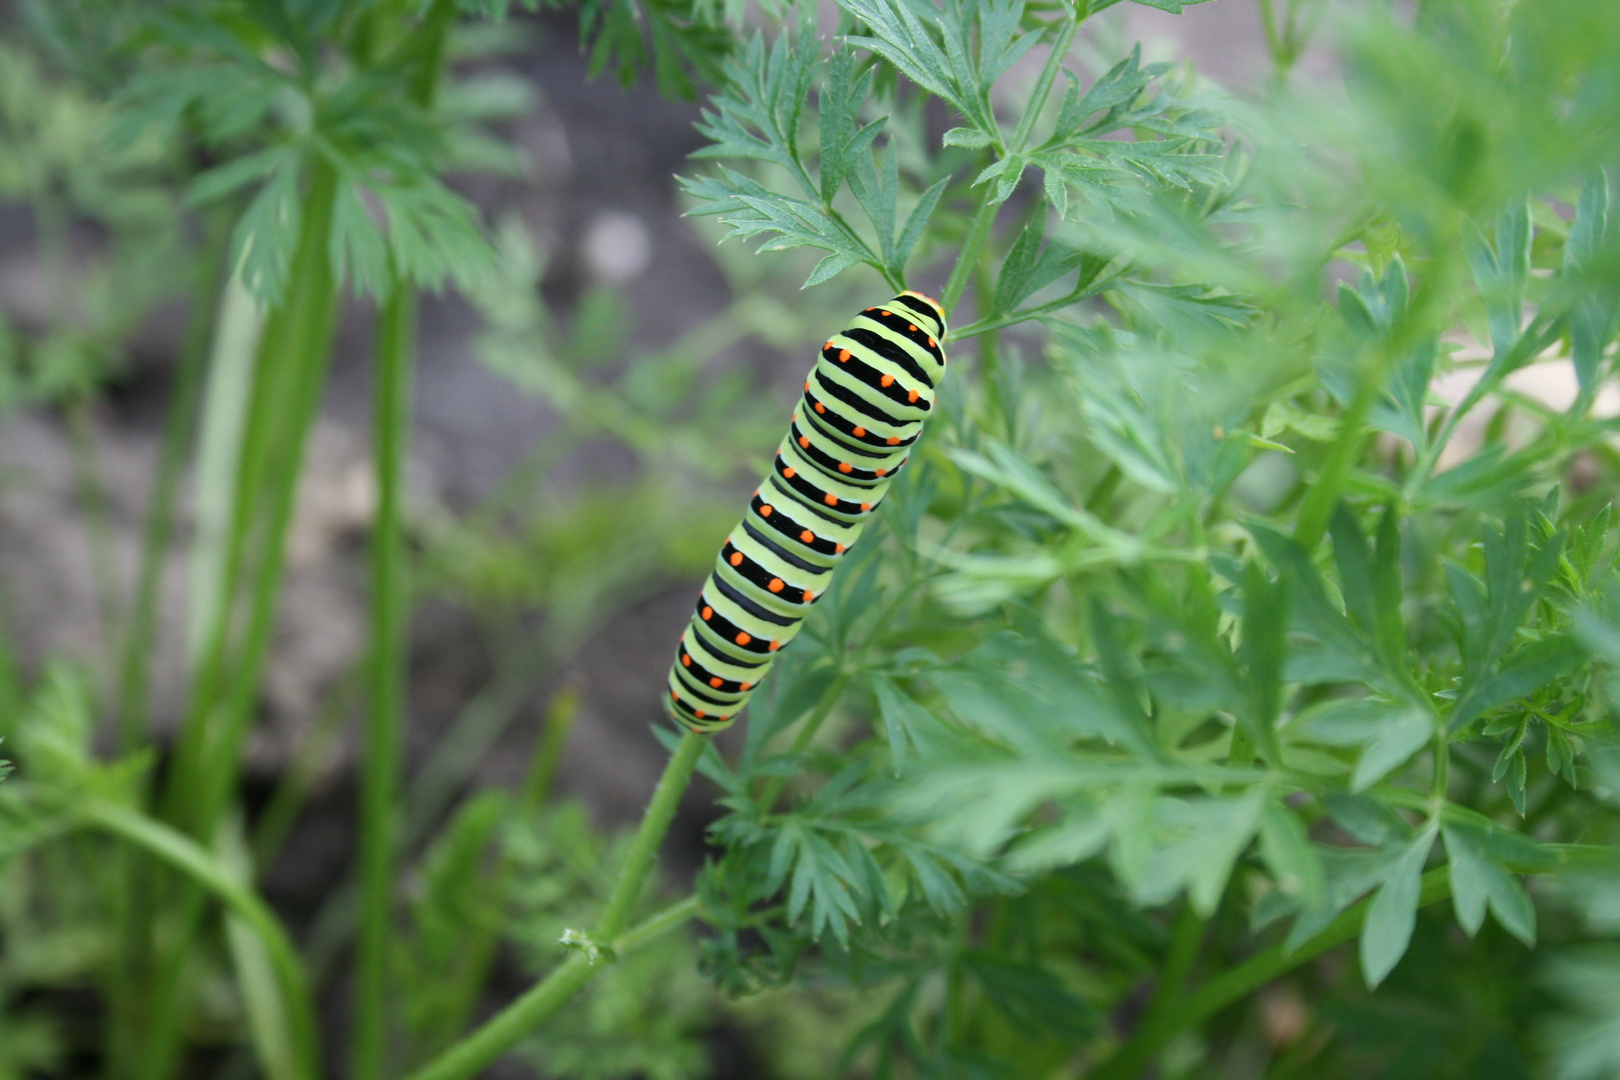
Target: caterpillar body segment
x=864 y=404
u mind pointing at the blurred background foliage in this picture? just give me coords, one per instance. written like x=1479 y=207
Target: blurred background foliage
x=1226 y=690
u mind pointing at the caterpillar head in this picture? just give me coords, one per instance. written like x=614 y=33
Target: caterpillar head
x=925 y=306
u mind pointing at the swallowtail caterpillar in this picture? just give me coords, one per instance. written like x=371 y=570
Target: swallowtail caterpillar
x=864 y=404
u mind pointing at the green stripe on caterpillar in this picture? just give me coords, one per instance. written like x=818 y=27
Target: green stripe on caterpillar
x=864 y=404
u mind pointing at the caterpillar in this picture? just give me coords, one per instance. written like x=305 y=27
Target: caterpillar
x=864 y=405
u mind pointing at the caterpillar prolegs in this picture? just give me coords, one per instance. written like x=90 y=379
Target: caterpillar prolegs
x=863 y=406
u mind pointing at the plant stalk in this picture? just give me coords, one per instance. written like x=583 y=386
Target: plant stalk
x=1132 y=1059
x=473 y=1053
x=202 y=868
x=1345 y=452
x=481 y=945
x=290 y=372
x=650 y=835
x=385 y=712
x=807 y=732
x=548 y=748
x=311 y=318
x=1043 y=85
x=968 y=257
x=986 y=325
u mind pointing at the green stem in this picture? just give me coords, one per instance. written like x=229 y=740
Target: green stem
x=1320 y=499
x=1103 y=492
x=390 y=613
x=379 y=781
x=311 y=313
x=984 y=326
x=774 y=785
x=1262 y=968
x=655 y=926
x=1178 y=965
x=1276 y=44
x=220 y=441
x=223 y=554
x=430 y=39
x=549 y=747
x=460 y=997
x=473 y=1053
x=979 y=232
x=229 y=363
x=290 y=371
x=1346 y=450
x=824 y=706
x=1240 y=752
x=1131 y=1060
x=185 y=855
x=1540 y=334
x=429 y=794
x=968 y=257
x=650 y=835
x=1442 y=767
x=1043 y=85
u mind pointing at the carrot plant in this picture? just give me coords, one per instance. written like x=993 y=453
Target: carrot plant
x=1226 y=688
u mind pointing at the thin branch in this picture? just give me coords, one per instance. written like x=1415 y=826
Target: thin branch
x=471 y=1054
x=1132 y=1059
x=186 y=855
